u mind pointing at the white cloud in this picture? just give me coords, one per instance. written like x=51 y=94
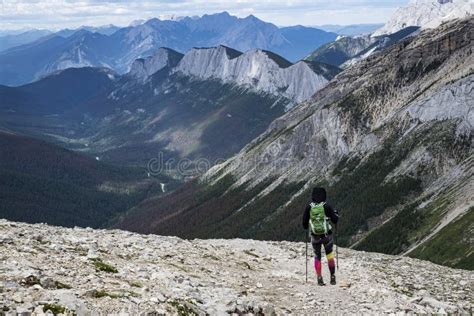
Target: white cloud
x=68 y=13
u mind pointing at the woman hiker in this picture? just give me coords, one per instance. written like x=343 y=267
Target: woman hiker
x=317 y=216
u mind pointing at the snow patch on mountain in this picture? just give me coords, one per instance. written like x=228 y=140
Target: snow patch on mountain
x=426 y=14
x=256 y=69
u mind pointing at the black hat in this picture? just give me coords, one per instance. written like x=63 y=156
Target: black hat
x=319 y=195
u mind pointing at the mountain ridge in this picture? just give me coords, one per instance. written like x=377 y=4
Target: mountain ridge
x=119 y=49
x=256 y=69
x=353 y=137
x=179 y=105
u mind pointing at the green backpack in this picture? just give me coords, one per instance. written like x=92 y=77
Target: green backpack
x=317 y=219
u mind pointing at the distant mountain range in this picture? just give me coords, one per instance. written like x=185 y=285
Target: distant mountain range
x=13 y=39
x=345 y=51
x=208 y=103
x=104 y=29
x=117 y=49
x=350 y=30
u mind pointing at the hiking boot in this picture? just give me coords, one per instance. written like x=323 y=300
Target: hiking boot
x=320 y=281
x=333 y=279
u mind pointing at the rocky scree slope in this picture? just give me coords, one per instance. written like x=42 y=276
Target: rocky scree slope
x=84 y=271
x=390 y=138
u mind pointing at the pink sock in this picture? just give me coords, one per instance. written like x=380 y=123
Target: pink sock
x=317 y=266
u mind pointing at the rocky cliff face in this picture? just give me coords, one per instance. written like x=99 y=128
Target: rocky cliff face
x=346 y=51
x=255 y=69
x=379 y=137
x=83 y=271
x=426 y=14
x=143 y=68
x=341 y=50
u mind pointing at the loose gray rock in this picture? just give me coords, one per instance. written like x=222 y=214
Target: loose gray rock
x=163 y=275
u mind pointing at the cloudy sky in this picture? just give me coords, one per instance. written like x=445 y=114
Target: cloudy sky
x=55 y=14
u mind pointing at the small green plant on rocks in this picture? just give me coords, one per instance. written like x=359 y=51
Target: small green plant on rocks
x=102 y=266
x=54 y=308
x=60 y=285
x=135 y=284
x=104 y=293
x=182 y=308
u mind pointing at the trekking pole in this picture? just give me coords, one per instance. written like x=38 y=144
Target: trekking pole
x=306 y=256
x=337 y=255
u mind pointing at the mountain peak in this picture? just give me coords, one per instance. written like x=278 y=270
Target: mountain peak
x=231 y=53
x=252 y=17
x=279 y=60
x=80 y=33
x=143 y=68
x=426 y=14
x=223 y=13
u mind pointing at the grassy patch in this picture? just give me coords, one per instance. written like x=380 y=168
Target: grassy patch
x=102 y=266
x=54 y=308
x=413 y=223
x=104 y=293
x=392 y=238
x=250 y=221
x=60 y=285
x=136 y=284
x=452 y=245
x=183 y=308
x=362 y=194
